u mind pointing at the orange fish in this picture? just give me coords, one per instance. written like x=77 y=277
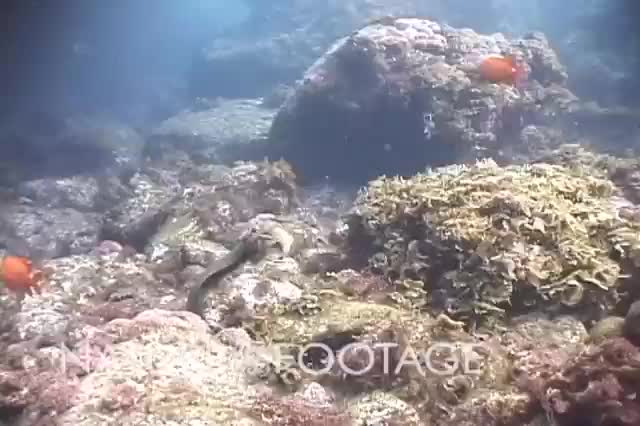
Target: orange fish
x=502 y=69
x=20 y=277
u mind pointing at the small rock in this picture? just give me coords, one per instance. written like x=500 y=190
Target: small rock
x=606 y=328
x=314 y=393
x=378 y=408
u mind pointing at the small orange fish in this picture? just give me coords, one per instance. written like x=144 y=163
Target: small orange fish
x=502 y=69
x=20 y=277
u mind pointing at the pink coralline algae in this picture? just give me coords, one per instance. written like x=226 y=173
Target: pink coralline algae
x=599 y=388
x=39 y=396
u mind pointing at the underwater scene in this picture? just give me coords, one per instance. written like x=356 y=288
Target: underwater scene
x=320 y=213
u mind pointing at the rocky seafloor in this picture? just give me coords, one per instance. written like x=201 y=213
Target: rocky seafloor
x=479 y=326
x=471 y=294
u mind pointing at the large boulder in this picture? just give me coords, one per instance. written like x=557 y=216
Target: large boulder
x=400 y=94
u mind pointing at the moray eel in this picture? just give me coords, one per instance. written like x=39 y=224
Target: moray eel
x=241 y=252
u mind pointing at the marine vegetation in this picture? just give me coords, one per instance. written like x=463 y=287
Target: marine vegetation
x=489 y=242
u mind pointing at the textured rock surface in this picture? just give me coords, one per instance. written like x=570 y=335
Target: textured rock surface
x=401 y=94
x=51 y=217
x=41 y=232
x=82 y=193
x=172 y=372
x=230 y=129
x=71 y=172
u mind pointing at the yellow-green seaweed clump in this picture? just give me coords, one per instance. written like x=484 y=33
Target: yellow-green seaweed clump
x=490 y=240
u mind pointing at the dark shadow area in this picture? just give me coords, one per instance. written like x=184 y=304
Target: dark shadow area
x=356 y=148
x=93 y=56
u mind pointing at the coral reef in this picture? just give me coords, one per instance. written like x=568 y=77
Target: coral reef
x=414 y=267
x=458 y=296
x=134 y=356
x=489 y=241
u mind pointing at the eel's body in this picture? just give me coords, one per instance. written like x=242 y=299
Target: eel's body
x=217 y=271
